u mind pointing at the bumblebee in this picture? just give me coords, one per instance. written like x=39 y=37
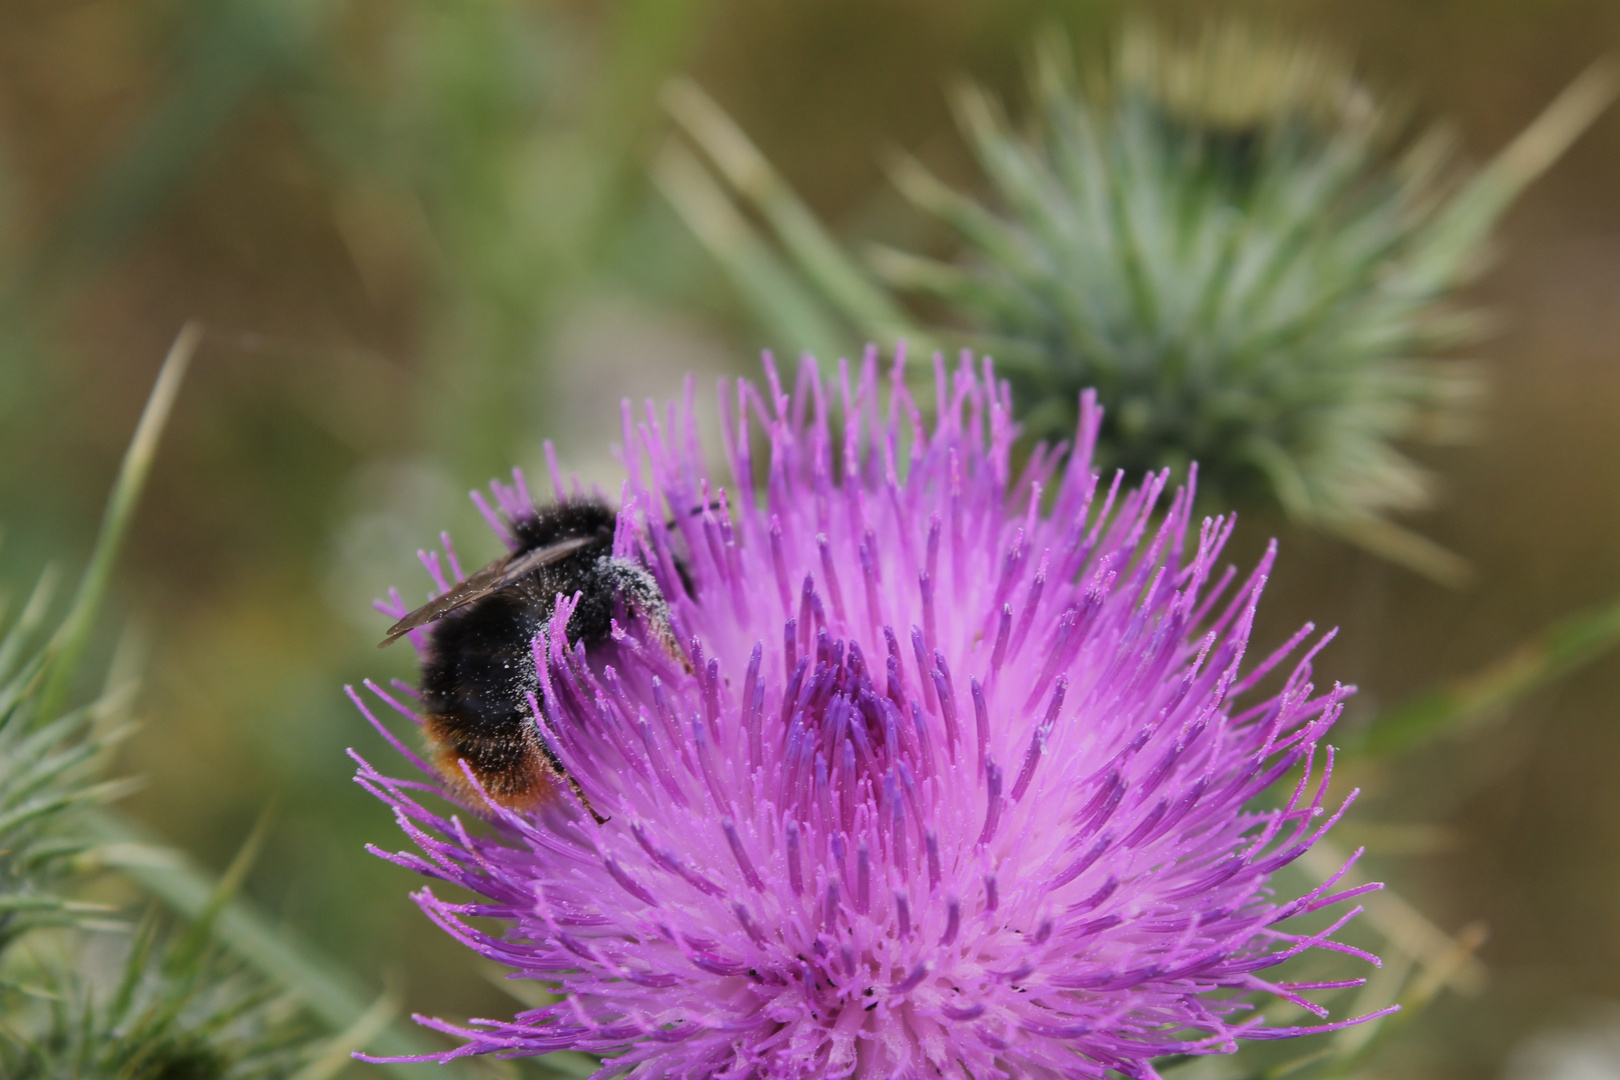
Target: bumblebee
x=479 y=668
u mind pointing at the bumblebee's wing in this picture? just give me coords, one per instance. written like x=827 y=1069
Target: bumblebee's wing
x=497 y=575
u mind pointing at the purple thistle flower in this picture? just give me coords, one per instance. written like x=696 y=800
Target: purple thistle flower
x=948 y=781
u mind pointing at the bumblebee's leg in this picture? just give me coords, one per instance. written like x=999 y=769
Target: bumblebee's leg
x=556 y=767
x=645 y=599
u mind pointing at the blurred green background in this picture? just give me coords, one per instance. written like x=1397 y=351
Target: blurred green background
x=421 y=237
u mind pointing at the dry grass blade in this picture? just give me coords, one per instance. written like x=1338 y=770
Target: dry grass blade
x=817 y=253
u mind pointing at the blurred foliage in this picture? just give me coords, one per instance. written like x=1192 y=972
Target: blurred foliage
x=167 y=1010
x=518 y=183
x=488 y=148
x=1452 y=710
x=1226 y=235
x=168 y=1005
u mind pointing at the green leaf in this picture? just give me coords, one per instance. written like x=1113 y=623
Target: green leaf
x=1454 y=708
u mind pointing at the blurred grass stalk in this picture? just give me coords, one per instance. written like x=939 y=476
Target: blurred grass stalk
x=170 y=999
x=331 y=993
x=512 y=198
x=68 y=645
x=1456 y=707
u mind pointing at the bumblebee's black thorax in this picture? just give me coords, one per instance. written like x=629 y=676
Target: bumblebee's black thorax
x=479 y=667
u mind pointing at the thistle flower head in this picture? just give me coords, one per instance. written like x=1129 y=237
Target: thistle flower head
x=1228 y=236
x=949 y=776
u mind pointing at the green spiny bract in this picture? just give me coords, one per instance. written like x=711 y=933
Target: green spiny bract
x=165 y=1007
x=73 y=1003
x=48 y=768
x=1232 y=241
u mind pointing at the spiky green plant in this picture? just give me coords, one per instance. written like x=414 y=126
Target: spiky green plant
x=219 y=991
x=80 y=995
x=49 y=756
x=166 y=1007
x=47 y=779
x=1233 y=240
